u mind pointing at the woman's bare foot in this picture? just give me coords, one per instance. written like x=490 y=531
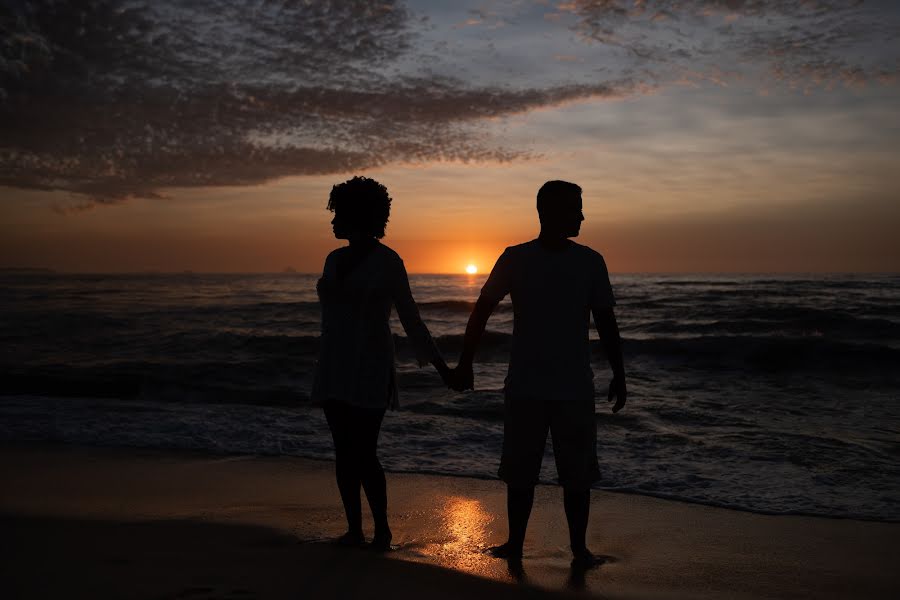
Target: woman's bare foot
x=382 y=541
x=352 y=539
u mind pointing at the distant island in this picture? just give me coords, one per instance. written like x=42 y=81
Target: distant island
x=289 y=270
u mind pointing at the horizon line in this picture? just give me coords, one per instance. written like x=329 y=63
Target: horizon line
x=52 y=271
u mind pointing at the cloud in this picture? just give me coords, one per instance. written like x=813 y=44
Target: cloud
x=805 y=44
x=117 y=99
x=112 y=99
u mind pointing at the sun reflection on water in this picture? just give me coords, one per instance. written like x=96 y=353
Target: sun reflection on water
x=464 y=535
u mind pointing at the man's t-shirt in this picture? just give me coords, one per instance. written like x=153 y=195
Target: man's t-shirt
x=552 y=292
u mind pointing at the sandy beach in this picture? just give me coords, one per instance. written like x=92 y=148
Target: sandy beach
x=113 y=523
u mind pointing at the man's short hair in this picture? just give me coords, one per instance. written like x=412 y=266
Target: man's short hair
x=550 y=194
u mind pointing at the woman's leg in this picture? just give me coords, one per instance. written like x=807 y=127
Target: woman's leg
x=372 y=476
x=341 y=422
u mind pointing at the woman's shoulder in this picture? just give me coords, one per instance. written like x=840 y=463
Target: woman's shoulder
x=331 y=256
x=329 y=262
x=336 y=253
x=389 y=254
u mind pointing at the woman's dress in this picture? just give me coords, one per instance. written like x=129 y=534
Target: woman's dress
x=356 y=354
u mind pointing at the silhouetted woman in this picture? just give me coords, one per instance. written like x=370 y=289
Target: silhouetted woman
x=355 y=376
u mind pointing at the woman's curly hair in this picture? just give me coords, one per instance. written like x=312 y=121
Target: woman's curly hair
x=363 y=202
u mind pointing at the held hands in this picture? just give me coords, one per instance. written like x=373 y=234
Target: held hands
x=618 y=391
x=461 y=378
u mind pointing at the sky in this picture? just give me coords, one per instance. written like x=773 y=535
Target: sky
x=707 y=135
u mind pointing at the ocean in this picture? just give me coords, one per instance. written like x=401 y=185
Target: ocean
x=768 y=393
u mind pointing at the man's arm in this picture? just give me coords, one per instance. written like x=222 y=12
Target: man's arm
x=464 y=378
x=608 y=329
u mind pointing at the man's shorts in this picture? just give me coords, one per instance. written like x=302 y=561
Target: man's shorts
x=573 y=427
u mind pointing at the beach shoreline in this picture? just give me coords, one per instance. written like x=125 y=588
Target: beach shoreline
x=103 y=522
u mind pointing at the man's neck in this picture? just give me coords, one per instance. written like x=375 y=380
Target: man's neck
x=552 y=241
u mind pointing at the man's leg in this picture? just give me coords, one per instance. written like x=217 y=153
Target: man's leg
x=525 y=427
x=574 y=435
x=519 y=501
x=577 y=502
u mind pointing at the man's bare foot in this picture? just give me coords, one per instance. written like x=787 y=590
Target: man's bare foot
x=584 y=559
x=352 y=539
x=506 y=551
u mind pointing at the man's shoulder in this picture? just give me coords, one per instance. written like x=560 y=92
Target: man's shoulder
x=516 y=253
x=587 y=252
x=520 y=249
x=531 y=247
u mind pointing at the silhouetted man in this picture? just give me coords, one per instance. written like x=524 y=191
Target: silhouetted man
x=553 y=284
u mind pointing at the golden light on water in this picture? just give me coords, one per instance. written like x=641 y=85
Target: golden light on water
x=464 y=535
x=471 y=269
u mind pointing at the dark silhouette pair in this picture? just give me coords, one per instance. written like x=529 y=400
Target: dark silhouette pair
x=554 y=285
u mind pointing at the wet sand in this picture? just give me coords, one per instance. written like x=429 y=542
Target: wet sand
x=114 y=523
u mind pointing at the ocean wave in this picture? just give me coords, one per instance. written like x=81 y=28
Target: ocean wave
x=246 y=309
x=264 y=368
x=462 y=306
x=787 y=281
x=271 y=309
x=270 y=383
x=764 y=393
x=800 y=323
x=802 y=474
x=767 y=351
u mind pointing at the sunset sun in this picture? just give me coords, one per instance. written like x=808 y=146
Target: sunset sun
x=471 y=269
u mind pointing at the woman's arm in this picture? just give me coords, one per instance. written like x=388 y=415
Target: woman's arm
x=416 y=330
